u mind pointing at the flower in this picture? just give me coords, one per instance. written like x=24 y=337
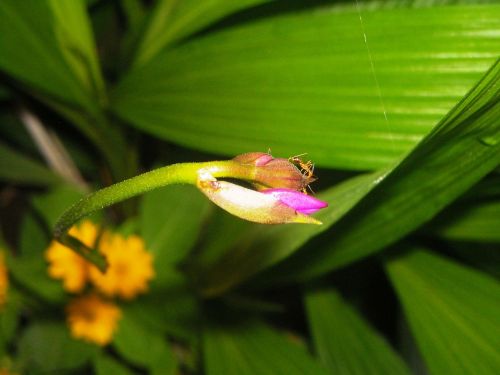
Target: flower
x=303 y=203
x=272 y=206
x=92 y=319
x=4 y=281
x=271 y=172
x=67 y=265
x=130 y=266
x=6 y=367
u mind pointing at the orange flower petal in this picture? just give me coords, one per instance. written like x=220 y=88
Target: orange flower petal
x=92 y=319
x=130 y=266
x=68 y=266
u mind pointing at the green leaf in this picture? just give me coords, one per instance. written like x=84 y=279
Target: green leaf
x=52 y=204
x=74 y=34
x=33 y=238
x=215 y=242
x=483 y=256
x=134 y=13
x=480 y=222
x=49 y=45
x=170 y=307
x=344 y=341
x=170 y=221
x=105 y=136
x=28 y=266
x=14 y=134
x=19 y=169
x=303 y=82
x=260 y=246
x=143 y=346
x=173 y=20
x=30 y=272
x=253 y=348
x=105 y=365
x=47 y=347
x=9 y=317
x=462 y=149
x=5 y=93
x=487 y=189
x=453 y=311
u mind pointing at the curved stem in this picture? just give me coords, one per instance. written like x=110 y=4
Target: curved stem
x=183 y=173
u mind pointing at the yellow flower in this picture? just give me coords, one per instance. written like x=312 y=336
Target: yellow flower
x=67 y=265
x=92 y=319
x=6 y=366
x=130 y=266
x=4 y=281
x=5 y=371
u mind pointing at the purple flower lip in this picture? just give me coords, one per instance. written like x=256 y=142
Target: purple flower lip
x=300 y=202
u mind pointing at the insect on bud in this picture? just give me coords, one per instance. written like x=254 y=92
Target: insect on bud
x=271 y=172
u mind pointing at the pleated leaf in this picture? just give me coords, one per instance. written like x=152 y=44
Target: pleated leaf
x=74 y=33
x=304 y=82
x=62 y=355
x=9 y=320
x=377 y=210
x=31 y=274
x=257 y=247
x=170 y=307
x=484 y=257
x=168 y=225
x=105 y=364
x=172 y=20
x=48 y=45
x=480 y=222
x=461 y=150
x=143 y=346
x=20 y=169
x=344 y=341
x=51 y=205
x=33 y=238
x=453 y=312
x=254 y=348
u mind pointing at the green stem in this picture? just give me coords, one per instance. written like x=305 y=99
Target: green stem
x=184 y=173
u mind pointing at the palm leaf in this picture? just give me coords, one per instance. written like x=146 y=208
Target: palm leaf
x=462 y=149
x=345 y=343
x=17 y=168
x=378 y=209
x=479 y=222
x=173 y=20
x=303 y=82
x=48 y=45
x=254 y=348
x=453 y=311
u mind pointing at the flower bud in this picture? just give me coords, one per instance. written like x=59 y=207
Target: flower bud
x=254 y=158
x=303 y=203
x=273 y=172
x=273 y=206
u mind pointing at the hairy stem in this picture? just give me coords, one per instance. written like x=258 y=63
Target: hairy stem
x=183 y=173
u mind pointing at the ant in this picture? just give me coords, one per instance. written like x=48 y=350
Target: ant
x=306 y=168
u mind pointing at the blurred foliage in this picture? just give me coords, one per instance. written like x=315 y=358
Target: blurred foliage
x=396 y=103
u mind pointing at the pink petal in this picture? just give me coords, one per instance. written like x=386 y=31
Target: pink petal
x=263 y=160
x=300 y=202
